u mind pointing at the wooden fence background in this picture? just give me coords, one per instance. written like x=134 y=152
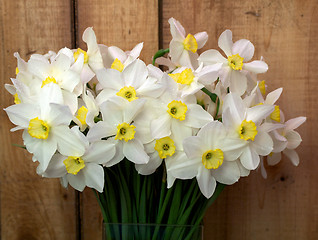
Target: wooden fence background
x=285 y=32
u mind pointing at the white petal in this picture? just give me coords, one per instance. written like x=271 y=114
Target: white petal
x=256 y=67
x=68 y=143
x=274 y=158
x=59 y=115
x=209 y=74
x=110 y=78
x=134 y=151
x=238 y=82
x=100 y=152
x=150 y=167
x=176 y=29
x=249 y=159
x=206 y=182
x=211 y=134
x=160 y=127
x=56 y=167
x=176 y=51
x=94 y=176
x=262 y=144
x=77 y=181
x=135 y=52
x=21 y=114
x=101 y=130
x=235 y=105
x=258 y=113
x=196 y=116
x=132 y=110
x=292 y=155
x=135 y=74
x=228 y=173
x=273 y=96
x=244 y=48
x=232 y=148
x=194 y=147
x=294 y=123
x=43 y=150
x=211 y=57
x=179 y=166
x=293 y=139
x=201 y=38
x=225 y=42
x=179 y=132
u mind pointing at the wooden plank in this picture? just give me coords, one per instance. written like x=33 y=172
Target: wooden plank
x=31 y=207
x=123 y=24
x=285 y=32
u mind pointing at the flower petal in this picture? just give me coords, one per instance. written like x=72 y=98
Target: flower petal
x=135 y=74
x=244 y=48
x=238 y=82
x=228 y=173
x=293 y=139
x=150 y=167
x=211 y=57
x=134 y=151
x=263 y=144
x=94 y=176
x=160 y=127
x=176 y=29
x=196 y=116
x=294 y=123
x=68 y=143
x=292 y=155
x=100 y=152
x=256 y=66
x=250 y=159
x=201 y=38
x=77 y=181
x=206 y=182
x=274 y=158
x=225 y=42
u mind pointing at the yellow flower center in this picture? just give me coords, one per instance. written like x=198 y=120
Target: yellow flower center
x=261 y=86
x=212 y=159
x=48 y=80
x=247 y=130
x=78 y=52
x=81 y=114
x=125 y=131
x=128 y=93
x=38 y=128
x=177 y=109
x=16 y=71
x=165 y=147
x=235 y=62
x=74 y=164
x=185 y=77
x=16 y=99
x=275 y=115
x=117 y=65
x=190 y=43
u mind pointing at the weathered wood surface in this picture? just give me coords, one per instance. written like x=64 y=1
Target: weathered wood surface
x=30 y=207
x=285 y=33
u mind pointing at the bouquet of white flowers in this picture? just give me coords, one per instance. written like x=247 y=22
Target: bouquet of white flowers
x=156 y=145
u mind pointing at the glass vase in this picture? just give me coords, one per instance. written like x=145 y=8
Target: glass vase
x=126 y=231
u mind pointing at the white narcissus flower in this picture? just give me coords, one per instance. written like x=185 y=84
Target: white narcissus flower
x=92 y=57
x=117 y=126
x=80 y=170
x=183 y=49
x=286 y=140
x=115 y=58
x=132 y=83
x=46 y=126
x=236 y=65
x=246 y=124
x=211 y=157
x=190 y=82
x=176 y=113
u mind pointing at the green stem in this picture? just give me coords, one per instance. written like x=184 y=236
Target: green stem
x=158 y=54
x=214 y=99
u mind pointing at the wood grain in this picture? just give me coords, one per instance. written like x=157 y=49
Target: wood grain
x=285 y=32
x=123 y=24
x=30 y=207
